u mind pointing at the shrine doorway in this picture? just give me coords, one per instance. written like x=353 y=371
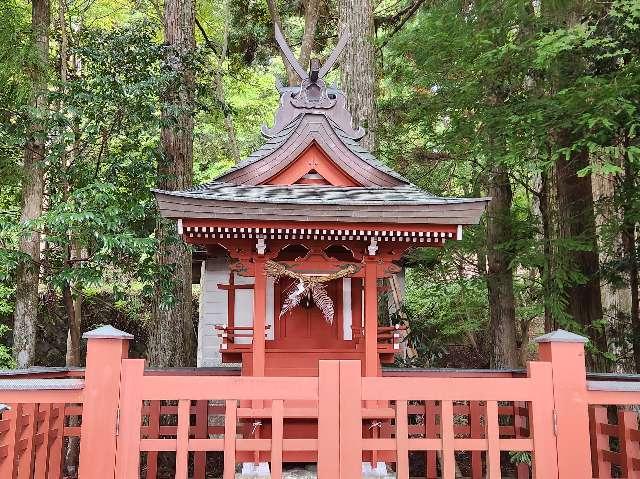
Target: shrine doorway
x=304 y=327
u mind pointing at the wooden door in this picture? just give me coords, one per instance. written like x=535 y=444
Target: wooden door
x=306 y=327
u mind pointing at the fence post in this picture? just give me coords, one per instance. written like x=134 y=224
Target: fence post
x=565 y=352
x=106 y=347
x=350 y=419
x=329 y=420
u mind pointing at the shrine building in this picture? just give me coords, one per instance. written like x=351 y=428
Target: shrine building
x=300 y=236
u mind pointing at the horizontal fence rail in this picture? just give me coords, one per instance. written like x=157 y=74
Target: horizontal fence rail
x=117 y=419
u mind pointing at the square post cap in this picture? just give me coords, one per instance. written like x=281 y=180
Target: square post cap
x=561 y=336
x=106 y=332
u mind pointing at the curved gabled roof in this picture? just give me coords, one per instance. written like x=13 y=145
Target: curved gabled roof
x=305 y=118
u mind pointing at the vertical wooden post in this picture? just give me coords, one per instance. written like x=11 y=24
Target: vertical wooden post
x=9 y=465
x=106 y=348
x=182 y=439
x=370 y=317
x=128 y=446
x=599 y=441
x=277 y=428
x=25 y=461
x=493 y=441
x=541 y=420
x=565 y=352
x=42 y=453
x=477 y=429
x=201 y=432
x=628 y=422
x=259 y=316
x=447 y=435
x=350 y=420
x=402 y=441
x=329 y=420
x=56 y=428
x=230 y=418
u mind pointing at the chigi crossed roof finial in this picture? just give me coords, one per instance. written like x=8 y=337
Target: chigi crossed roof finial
x=312 y=95
x=316 y=72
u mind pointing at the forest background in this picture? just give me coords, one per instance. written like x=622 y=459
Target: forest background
x=534 y=103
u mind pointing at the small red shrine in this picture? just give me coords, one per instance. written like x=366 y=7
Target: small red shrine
x=312 y=217
x=307 y=228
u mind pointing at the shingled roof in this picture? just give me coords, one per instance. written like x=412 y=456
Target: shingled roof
x=313 y=114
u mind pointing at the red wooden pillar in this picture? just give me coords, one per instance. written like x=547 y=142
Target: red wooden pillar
x=106 y=348
x=259 y=316
x=565 y=352
x=370 y=317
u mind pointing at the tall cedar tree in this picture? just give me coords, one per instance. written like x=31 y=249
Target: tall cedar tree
x=358 y=67
x=577 y=220
x=28 y=273
x=171 y=333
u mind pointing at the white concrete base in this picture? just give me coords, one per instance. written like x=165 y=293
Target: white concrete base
x=377 y=471
x=251 y=470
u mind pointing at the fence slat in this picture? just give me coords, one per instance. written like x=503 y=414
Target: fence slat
x=25 y=462
x=545 y=459
x=182 y=439
x=230 y=439
x=276 y=438
x=350 y=419
x=402 y=439
x=329 y=420
x=475 y=413
x=8 y=467
x=56 y=430
x=200 y=458
x=628 y=421
x=431 y=431
x=153 y=431
x=128 y=444
x=448 y=453
x=493 y=441
x=42 y=451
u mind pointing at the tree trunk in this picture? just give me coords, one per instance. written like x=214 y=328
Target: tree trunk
x=357 y=72
x=171 y=332
x=28 y=272
x=629 y=245
x=502 y=325
x=232 y=143
x=545 y=272
x=292 y=76
x=311 y=13
x=577 y=222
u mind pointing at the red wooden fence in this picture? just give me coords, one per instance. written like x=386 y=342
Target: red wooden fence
x=131 y=418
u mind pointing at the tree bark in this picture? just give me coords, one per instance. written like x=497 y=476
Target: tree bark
x=630 y=249
x=545 y=270
x=232 y=143
x=292 y=76
x=311 y=13
x=357 y=73
x=577 y=222
x=171 y=329
x=28 y=272
x=502 y=323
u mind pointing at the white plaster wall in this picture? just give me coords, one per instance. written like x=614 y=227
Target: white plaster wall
x=213 y=310
x=347 y=312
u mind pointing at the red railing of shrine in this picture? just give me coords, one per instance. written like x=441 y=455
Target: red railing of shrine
x=131 y=422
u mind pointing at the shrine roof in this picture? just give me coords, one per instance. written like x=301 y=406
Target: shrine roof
x=308 y=203
x=293 y=128
x=316 y=194
x=312 y=168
